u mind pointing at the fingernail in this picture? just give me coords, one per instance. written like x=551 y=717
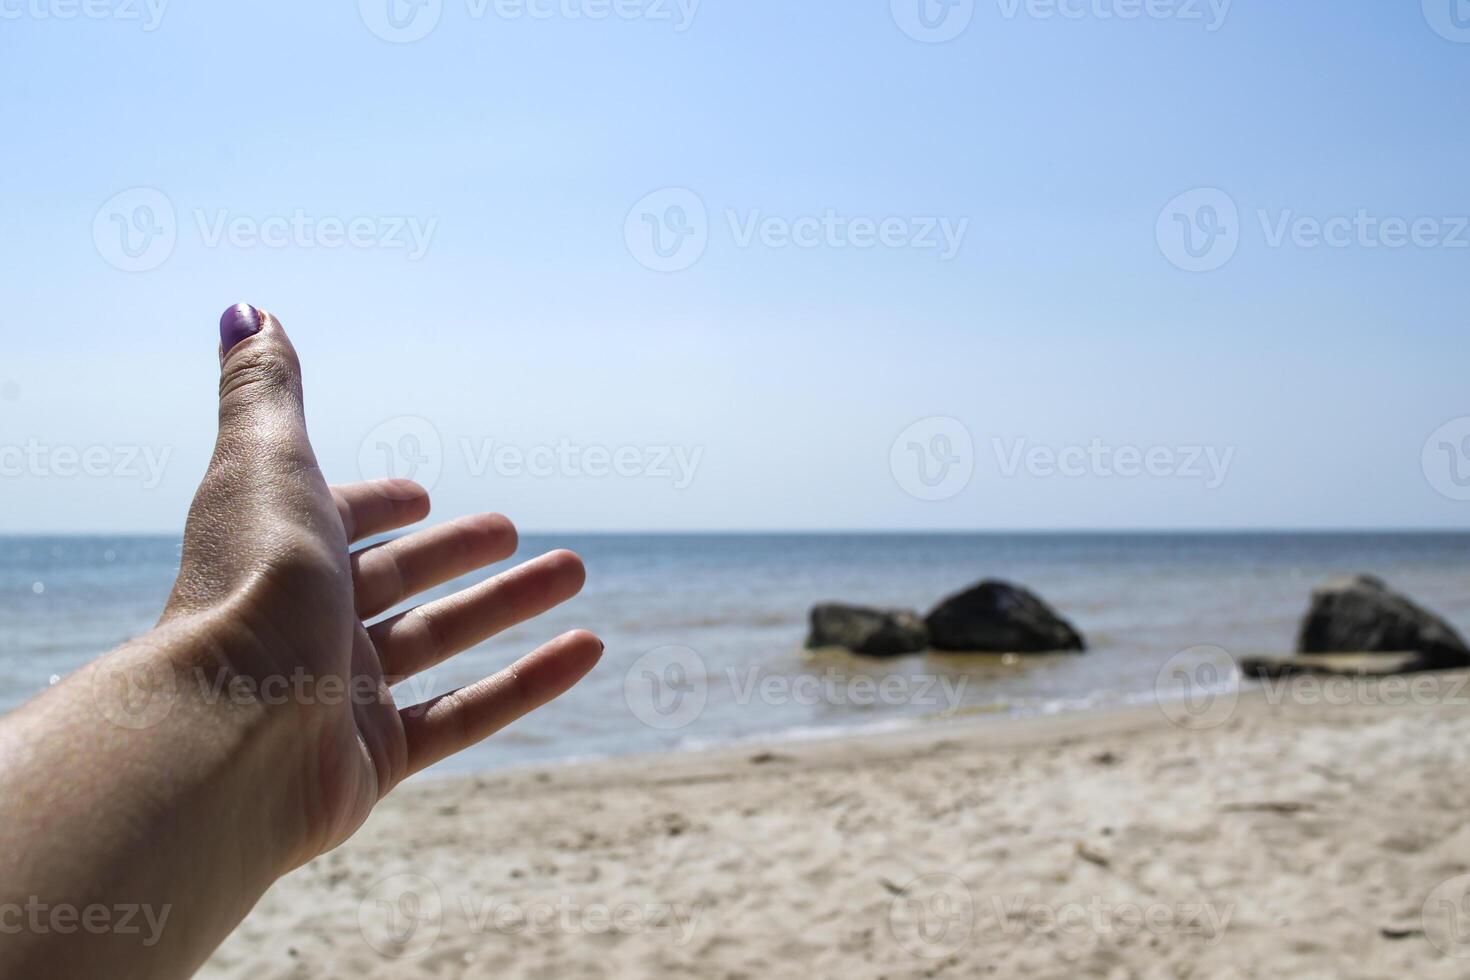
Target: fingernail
x=239 y=322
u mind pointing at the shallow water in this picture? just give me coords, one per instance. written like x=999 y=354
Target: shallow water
x=704 y=632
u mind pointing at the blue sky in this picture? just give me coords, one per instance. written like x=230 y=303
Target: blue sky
x=494 y=325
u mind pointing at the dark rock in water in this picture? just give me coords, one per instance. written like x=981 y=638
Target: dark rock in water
x=875 y=632
x=1362 y=615
x=997 y=617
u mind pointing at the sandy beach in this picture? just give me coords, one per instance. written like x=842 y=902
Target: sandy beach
x=1301 y=836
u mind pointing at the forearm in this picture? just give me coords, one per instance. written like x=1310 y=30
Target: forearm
x=141 y=825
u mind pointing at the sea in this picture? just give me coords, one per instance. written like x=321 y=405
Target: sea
x=705 y=633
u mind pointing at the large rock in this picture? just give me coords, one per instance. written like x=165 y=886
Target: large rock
x=1362 y=615
x=997 y=617
x=875 y=632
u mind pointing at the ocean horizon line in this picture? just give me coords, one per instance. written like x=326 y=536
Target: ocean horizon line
x=855 y=532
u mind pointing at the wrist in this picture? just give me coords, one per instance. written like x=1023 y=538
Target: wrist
x=177 y=701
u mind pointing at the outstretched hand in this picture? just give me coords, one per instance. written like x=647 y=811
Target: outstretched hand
x=192 y=813
x=267 y=547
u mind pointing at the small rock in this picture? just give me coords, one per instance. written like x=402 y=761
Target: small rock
x=874 y=632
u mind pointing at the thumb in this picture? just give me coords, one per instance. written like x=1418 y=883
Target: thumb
x=263 y=493
x=262 y=421
x=260 y=395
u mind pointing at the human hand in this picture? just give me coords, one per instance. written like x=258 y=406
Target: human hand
x=267 y=573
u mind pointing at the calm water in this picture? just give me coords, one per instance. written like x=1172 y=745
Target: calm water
x=733 y=608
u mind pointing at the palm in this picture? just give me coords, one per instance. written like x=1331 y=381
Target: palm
x=368 y=745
